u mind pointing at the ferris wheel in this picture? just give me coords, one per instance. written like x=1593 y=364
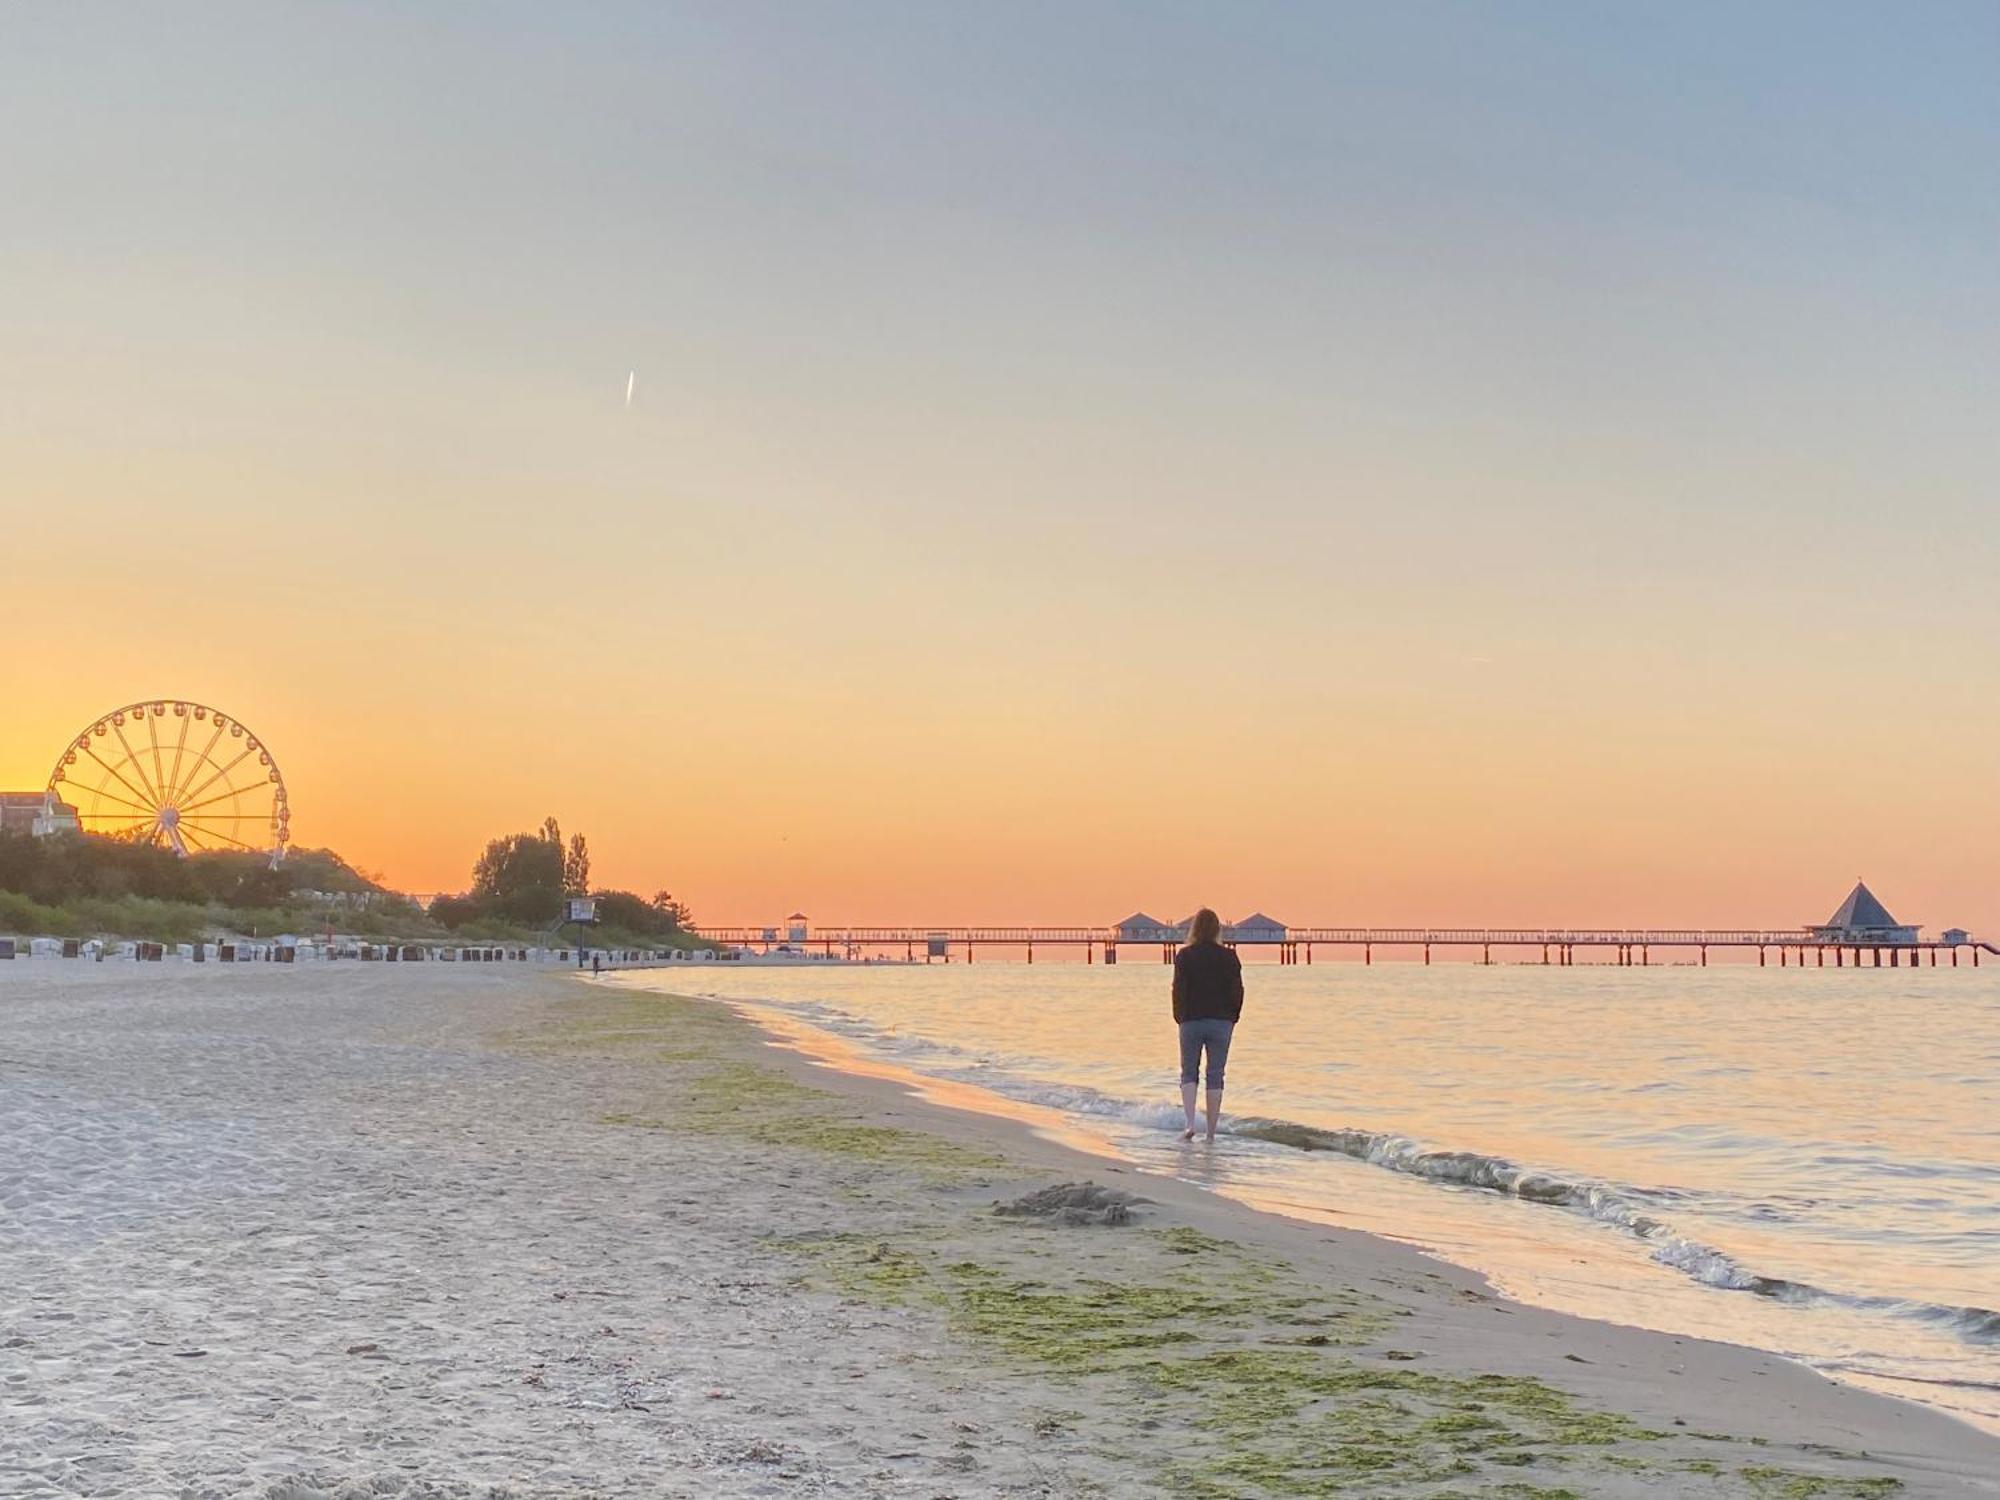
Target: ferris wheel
x=175 y=773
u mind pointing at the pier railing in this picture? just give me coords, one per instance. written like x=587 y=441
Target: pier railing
x=1633 y=945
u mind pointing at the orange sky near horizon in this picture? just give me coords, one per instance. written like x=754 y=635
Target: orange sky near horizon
x=975 y=816
x=1372 y=466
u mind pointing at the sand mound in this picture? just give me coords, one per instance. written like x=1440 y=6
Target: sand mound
x=1072 y=1203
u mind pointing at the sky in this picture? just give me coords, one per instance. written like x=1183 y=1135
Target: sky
x=1414 y=463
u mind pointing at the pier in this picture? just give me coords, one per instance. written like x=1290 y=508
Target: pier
x=1555 y=947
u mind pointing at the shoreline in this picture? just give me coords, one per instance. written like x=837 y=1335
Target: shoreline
x=1652 y=1375
x=285 y=1233
x=1581 y=1164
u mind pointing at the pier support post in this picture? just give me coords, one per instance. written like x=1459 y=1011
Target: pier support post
x=1486 y=953
x=1645 y=956
x=1954 y=956
x=1309 y=955
x=1704 y=955
x=1760 y=955
x=1367 y=954
x=1427 y=953
x=1031 y=950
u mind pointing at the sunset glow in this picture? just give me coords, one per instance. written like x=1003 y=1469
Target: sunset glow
x=1379 y=500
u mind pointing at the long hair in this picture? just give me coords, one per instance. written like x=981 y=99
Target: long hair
x=1204 y=927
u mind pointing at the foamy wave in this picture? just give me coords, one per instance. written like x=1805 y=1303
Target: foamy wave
x=1608 y=1205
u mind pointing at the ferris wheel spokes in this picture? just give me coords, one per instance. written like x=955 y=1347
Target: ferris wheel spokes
x=164 y=790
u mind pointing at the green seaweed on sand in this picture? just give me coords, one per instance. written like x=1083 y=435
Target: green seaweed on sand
x=772 y=1109
x=1092 y=1326
x=664 y=1028
x=766 y=1106
x=722 y=1093
x=1288 y=1420
x=1296 y=1422
x=1785 y=1484
x=1182 y=1240
x=862 y=1265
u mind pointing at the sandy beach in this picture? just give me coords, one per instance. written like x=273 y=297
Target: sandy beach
x=357 y=1231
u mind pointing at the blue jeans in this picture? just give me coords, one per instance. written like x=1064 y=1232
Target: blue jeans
x=1214 y=1035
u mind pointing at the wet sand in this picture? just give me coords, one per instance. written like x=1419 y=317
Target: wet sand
x=370 y=1231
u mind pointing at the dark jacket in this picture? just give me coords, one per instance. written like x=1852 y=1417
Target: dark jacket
x=1208 y=983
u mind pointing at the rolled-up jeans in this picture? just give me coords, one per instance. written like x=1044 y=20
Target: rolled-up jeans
x=1214 y=1035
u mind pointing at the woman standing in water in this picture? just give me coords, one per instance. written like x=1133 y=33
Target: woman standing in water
x=1208 y=1001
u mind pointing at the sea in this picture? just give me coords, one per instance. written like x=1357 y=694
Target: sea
x=1806 y=1161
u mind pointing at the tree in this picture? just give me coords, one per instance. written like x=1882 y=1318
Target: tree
x=576 y=867
x=454 y=911
x=552 y=831
x=520 y=876
x=679 y=918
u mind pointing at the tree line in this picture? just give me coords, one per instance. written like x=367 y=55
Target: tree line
x=73 y=866
x=527 y=877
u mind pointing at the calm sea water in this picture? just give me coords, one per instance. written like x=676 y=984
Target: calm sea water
x=1804 y=1161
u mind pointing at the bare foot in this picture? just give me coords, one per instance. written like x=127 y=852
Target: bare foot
x=1188 y=1134
x=1211 y=1137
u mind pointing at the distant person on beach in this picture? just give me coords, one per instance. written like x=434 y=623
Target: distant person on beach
x=1208 y=1002
x=596 y=963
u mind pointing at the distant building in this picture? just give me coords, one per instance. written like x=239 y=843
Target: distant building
x=1140 y=928
x=18 y=811
x=35 y=812
x=795 y=927
x=1863 y=919
x=1956 y=937
x=1255 y=928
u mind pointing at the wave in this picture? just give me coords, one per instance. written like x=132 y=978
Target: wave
x=1621 y=1207
x=1635 y=1210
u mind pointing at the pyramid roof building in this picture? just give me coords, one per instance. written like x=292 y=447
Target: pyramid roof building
x=1861 y=909
x=1862 y=915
